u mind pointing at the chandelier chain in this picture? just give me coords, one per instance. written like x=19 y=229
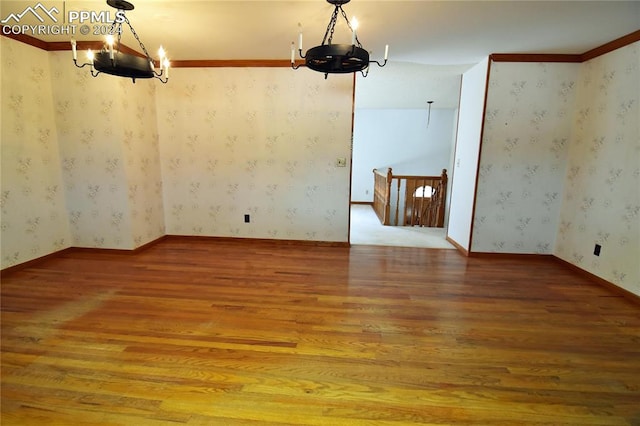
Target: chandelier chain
x=331 y=27
x=112 y=29
x=144 y=49
x=344 y=15
x=328 y=35
x=130 y=65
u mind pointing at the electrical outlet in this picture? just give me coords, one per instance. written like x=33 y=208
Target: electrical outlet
x=596 y=249
x=341 y=162
x=247 y=218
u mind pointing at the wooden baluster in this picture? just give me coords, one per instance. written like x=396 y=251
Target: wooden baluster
x=443 y=192
x=414 y=208
x=407 y=205
x=375 y=192
x=398 y=200
x=433 y=203
x=414 y=201
x=380 y=197
x=409 y=202
x=421 y=208
x=387 y=198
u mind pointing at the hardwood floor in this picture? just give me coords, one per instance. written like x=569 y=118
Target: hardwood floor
x=207 y=332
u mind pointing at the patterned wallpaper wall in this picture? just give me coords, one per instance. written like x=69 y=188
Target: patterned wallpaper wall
x=601 y=201
x=107 y=163
x=82 y=162
x=257 y=141
x=109 y=151
x=34 y=217
x=141 y=158
x=560 y=164
x=527 y=131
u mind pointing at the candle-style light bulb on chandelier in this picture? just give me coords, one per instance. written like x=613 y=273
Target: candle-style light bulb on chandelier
x=111 y=60
x=329 y=58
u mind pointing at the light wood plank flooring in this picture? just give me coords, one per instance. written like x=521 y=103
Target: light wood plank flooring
x=215 y=332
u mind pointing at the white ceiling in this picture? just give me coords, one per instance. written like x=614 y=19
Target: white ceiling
x=430 y=42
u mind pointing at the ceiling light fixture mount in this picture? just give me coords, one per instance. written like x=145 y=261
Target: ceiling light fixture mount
x=429 y=113
x=110 y=59
x=329 y=58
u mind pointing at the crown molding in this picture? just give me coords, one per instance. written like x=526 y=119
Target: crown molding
x=611 y=46
x=27 y=39
x=232 y=63
x=274 y=63
x=551 y=57
x=534 y=57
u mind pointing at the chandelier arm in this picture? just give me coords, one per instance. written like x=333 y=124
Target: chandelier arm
x=380 y=64
x=119 y=31
x=75 y=61
x=365 y=71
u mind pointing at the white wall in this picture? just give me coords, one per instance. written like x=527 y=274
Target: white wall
x=463 y=178
x=400 y=139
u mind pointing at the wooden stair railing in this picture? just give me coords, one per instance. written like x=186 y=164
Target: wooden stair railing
x=382 y=195
x=424 y=198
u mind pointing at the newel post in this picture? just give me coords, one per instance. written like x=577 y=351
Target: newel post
x=387 y=198
x=443 y=198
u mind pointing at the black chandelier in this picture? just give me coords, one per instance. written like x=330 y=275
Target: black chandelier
x=331 y=58
x=110 y=60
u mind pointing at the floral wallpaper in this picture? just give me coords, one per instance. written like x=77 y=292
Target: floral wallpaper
x=601 y=199
x=106 y=163
x=109 y=156
x=527 y=131
x=34 y=216
x=141 y=158
x=80 y=157
x=256 y=141
x=560 y=164
x=102 y=162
